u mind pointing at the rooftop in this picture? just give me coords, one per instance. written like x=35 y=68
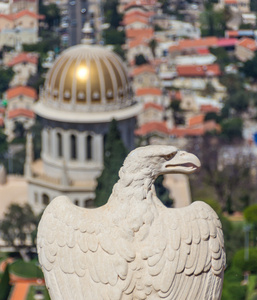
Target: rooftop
x=153 y=105
x=21 y=90
x=198 y=71
x=21 y=112
x=248 y=43
x=143 y=69
x=148 y=91
x=23 y=57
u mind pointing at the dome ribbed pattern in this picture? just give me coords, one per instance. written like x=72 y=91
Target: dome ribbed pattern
x=86 y=76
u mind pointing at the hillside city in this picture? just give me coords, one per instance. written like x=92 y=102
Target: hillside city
x=192 y=65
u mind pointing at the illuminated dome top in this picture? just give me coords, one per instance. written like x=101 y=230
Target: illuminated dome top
x=88 y=78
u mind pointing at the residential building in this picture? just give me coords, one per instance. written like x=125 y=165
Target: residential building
x=20 y=108
x=151 y=111
x=245 y=49
x=241 y=5
x=19 y=28
x=144 y=76
x=24 y=65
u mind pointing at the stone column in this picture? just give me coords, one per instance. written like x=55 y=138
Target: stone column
x=81 y=143
x=98 y=148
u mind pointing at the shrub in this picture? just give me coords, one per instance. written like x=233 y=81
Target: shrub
x=246 y=265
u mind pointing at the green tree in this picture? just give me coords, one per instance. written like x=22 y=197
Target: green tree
x=213 y=22
x=250 y=214
x=244 y=265
x=18 y=222
x=209 y=89
x=52 y=14
x=153 y=44
x=232 y=129
x=5 y=286
x=238 y=101
x=3 y=145
x=112 y=36
x=253 y=5
x=50 y=41
x=250 y=67
x=140 y=60
x=111 y=13
x=114 y=155
x=223 y=58
x=233 y=82
x=229 y=180
x=6 y=75
x=19 y=129
x=120 y=51
x=37 y=141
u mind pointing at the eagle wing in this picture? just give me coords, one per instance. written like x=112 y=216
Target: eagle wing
x=185 y=253
x=80 y=255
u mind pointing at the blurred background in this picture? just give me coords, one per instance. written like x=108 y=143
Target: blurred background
x=84 y=82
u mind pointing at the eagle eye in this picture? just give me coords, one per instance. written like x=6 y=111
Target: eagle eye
x=170 y=156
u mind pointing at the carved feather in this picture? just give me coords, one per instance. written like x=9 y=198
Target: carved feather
x=133 y=247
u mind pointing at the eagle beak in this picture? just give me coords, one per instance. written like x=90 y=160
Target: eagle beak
x=183 y=162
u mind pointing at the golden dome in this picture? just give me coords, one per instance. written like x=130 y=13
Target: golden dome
x=87 y=77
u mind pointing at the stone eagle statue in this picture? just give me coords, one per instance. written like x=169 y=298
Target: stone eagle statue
x=134 y=247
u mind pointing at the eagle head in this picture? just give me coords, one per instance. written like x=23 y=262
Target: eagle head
x=162 y=159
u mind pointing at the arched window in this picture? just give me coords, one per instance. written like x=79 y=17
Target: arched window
x=89 y=147
x=59 y=144
x=73 y=144
x=45 y=199
x=76 y=202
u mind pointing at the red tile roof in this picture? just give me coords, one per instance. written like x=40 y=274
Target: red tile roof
x=226 y=42
x=195 y=131
x=135 y=33
x=231 y=2
x=1 y=122
x=174 y=48
x=148 y=91
x=198 y=43
x=248 y=43
x=211 y=125
x=161 y=127
x=28 y=13
x=196 y=120
x=23 y=57
x=21 y=90
x=141 y=40
x=153 y=105
x=143 y=69
x=203 y=51
x=231 y=33
x=198 y=71
x=142 y=4
x=138 y=13
x=2 y=110
x=205 y=108
x=152 y=127
x=134 y=19
x=22 y=13
x=181 y=132
x=21 y=112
